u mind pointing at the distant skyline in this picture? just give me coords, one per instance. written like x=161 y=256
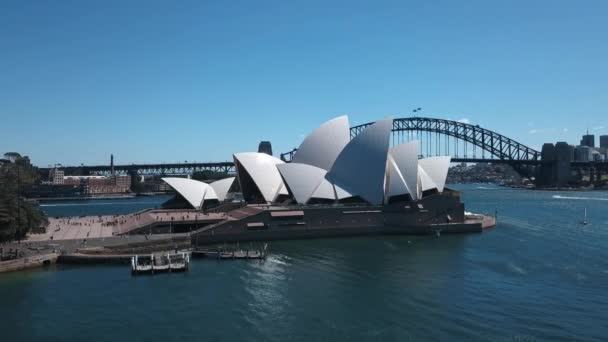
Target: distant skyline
x=159 y=81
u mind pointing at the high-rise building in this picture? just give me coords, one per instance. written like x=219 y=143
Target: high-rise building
x=564 y=154
x=56 y=176
x=546 y=175
x=588 y=140
x=604 y=141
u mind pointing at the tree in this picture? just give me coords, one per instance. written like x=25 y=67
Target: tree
x=12 y=156
x=17 y=216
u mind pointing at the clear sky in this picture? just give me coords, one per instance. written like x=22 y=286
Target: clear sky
x=165 y=81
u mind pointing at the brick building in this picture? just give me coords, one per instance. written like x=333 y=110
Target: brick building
x=91 y=185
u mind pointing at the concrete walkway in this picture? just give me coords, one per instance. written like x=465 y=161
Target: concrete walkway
x=90 y=227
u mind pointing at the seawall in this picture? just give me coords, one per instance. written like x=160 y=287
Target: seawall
x=33 y=261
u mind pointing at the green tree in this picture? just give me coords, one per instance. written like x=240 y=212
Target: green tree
x=18 y=216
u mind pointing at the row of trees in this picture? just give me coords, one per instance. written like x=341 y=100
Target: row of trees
x=17 y=216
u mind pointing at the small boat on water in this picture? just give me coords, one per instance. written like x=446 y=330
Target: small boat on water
x=585 y=221
x=160 y=263
x=247 y=254
x=237 y=253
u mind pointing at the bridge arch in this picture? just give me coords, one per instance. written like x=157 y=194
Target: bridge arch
x=497 y=145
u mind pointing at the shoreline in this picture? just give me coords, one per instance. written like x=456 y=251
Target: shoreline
x=29 y=262
x=83 y=198
x=96 y=197
x=120 y=249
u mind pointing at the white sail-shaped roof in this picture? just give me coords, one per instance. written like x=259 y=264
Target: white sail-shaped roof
x=437 y=169
x=425 y=182
x=302 y=179
x=283 y=190
x=222 y=186
x=405 y=157
x=195 y=192
x=341 y=193
x=325 y=190
x=321 y=147
x=396 y=185
x=361 y=166
x=262 y=169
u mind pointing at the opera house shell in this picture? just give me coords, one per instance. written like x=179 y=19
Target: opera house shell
x=334 y=186
x=200 y=195
x=330 y=168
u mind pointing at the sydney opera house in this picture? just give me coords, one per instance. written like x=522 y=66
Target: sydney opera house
x=333 y=186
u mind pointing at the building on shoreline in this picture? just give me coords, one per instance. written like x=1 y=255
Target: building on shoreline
x=329 y=168
x=93 y=185
x=56 y=176
x=334 y=186
x=557 y=171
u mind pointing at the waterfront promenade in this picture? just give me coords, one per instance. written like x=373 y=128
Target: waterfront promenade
x=104 y=226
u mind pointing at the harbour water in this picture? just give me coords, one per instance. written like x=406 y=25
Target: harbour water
x=539 y=275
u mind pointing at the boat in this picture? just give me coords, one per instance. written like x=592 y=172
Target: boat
x=159 y=263
x=225 y=253
x=585 y=222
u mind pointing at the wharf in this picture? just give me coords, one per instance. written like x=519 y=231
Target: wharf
x=122 y=249
x=160 y=263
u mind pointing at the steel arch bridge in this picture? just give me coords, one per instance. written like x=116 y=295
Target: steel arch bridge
x=453 y=138
x=437 y=137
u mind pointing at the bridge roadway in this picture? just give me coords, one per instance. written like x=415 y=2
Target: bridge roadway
x=180 y=169
x=150 y=169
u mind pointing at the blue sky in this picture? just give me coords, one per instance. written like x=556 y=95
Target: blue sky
x=164 y=81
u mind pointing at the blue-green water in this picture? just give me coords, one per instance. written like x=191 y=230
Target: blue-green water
x=102 y=207
x=537 y=275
